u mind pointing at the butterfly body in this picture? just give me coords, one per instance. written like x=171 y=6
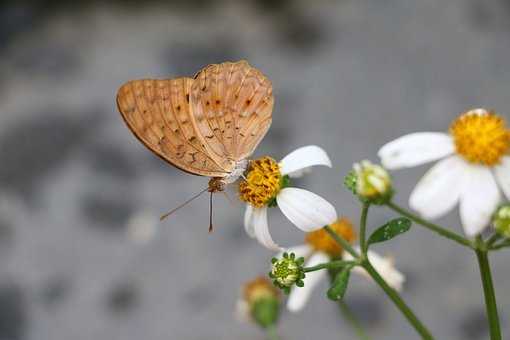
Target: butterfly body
x=207 y=125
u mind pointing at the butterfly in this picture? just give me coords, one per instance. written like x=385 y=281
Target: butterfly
x=207 y=125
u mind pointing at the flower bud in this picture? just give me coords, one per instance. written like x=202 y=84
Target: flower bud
x=371 y=182
x=261 y=302
x=287 y=271
x=501 y=220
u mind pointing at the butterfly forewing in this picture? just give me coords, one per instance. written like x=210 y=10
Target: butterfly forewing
x=158 y=113
x=203 y=125
x=237 y=99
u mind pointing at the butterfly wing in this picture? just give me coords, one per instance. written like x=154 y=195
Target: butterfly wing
x=159 y=113
x=232 y=104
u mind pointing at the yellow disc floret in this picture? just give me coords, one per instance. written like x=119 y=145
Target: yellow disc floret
x=481 y=137
x=320 y=240
x=262 y=183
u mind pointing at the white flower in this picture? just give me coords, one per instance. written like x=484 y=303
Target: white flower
x=474 y=165
x=298 y=297
x=263 y=185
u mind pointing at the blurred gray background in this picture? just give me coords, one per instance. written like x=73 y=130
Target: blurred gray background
x=82 y=254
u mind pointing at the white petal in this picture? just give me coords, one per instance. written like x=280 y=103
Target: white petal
x=415 y=149
x=261 y=229
x=299 y=296
x=295 y=162
x=305 y=210
x=303 y=250
x=248 y=221
x=503 y=175
x=439 y=190
x=384 y=266
x=479 y=200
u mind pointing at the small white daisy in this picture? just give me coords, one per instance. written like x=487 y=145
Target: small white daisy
x=320 y=248
x=266 y=185
x=474 y=166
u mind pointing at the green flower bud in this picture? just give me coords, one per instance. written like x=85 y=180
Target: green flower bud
x=260 y=302
x=287 y=271
x=501 y=220
x=371 y=182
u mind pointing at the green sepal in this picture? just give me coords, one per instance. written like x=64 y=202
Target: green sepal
x=390 y=230
x=350 y=182
x=265 y=312
x=339 y=285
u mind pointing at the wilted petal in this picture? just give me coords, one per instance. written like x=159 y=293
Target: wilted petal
x=261 y=229
x=300 y=159
x=300 y=295
x=479 y=200
x=305 y=210
x=439 y=190
x=415 y=149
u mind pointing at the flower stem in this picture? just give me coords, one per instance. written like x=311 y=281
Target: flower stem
x=490 y=296
x=397 y=300
x=272 y=333
x=434 y=227
x=329 y=265
x=500 y=245
x=392 y=294
x=353 y=321
x=341 y=241
x=363 y=227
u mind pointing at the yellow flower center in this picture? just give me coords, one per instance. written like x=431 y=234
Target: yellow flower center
x=321 y=241
x=481 y=137
x=262 y=183
x=259 y=288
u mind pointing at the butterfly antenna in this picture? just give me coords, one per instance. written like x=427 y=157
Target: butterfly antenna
x=182 y=205
x=210 y=213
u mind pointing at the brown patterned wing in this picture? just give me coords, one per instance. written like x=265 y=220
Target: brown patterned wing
x=159 y=113
x=232 y=104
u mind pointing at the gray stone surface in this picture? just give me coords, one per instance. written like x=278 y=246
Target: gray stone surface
x=348 y=75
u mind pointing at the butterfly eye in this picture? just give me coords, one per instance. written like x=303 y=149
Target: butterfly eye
x=218 y=102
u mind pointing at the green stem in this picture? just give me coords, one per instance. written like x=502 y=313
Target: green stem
x=490 y=296
x=341 y=241
x=434 y=227
x=353 y=321
x=363 y=227
x=329 y=265
x=392 y=294
x=272 y=333
x=397 y=300
x=493 y=239
x=503 y=244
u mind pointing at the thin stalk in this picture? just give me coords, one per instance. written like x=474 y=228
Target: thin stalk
x=434 y=227
x=363 y=227
x=493 y=239
x=397 y=300
x=500 y=245
x=341 y=241
x=392 y=294
x=489 y=294
x=329 y=265
x=272 y=333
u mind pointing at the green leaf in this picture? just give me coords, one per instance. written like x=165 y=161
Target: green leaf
x=339 y=285
x=390 y=230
